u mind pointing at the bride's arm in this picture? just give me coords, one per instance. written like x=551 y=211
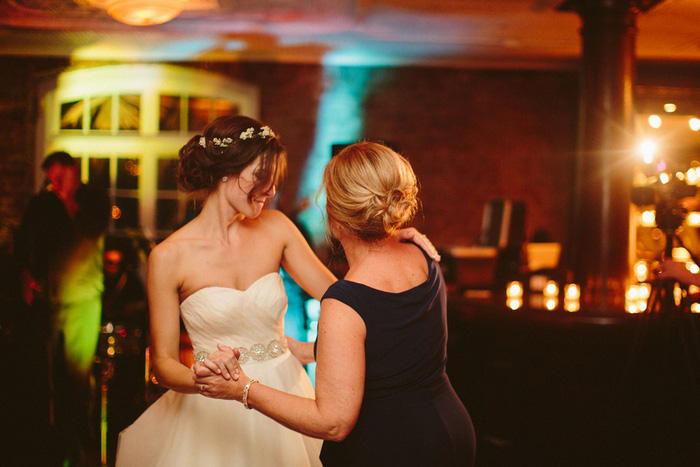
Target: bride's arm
x=299 y=260
x=164 y=312
x=340 y=378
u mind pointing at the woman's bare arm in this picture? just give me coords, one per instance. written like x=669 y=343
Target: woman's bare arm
x=340 y=378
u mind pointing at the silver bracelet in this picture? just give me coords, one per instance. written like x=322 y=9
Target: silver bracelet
x=245 y=392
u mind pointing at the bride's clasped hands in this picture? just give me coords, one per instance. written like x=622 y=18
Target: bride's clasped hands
x=220 y=376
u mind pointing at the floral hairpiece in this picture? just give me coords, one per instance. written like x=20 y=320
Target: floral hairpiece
x=265 y=132
x=222 y=143
x=247 y=134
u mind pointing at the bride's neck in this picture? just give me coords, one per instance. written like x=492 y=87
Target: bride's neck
x=218 y=217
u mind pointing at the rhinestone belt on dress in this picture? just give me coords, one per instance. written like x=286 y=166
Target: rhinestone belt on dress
x=261 y=352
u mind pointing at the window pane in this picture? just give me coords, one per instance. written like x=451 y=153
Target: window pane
x=169 y=113
x=222 y=108
x=99 y=173
x=166 y=217
x=101 y=113
x=127 y=213
x=128 y=171
x=72 y=115
x=198 y=113
x=129 y=112
x=167 y=175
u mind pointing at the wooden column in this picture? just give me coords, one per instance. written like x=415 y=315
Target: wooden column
x=599 y=240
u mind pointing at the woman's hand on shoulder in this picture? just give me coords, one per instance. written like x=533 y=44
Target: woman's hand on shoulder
x=420 y=239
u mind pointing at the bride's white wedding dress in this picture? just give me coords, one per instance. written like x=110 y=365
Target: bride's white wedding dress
x=193 y=430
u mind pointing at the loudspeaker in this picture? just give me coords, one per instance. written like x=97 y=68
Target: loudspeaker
x=503 y=224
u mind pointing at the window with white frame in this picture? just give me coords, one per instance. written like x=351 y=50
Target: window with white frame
x=126 y=123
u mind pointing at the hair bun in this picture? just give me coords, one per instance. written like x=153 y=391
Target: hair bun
x=370 y=190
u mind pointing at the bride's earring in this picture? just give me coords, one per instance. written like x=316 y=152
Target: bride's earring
x=224 y=178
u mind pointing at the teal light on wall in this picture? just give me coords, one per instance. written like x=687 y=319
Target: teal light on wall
x=340 y=120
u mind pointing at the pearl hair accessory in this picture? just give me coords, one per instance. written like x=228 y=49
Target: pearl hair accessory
x=224 y=178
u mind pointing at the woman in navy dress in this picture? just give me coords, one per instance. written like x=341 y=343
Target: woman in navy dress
x=382 y=394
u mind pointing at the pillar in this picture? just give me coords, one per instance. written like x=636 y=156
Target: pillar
x=599 y=226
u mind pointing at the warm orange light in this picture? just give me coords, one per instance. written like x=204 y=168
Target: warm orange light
x=654 y=121
x=144 y=12
x=648 y=219
x=647 y=149
x=572 y=305
x=636 y=298
x=641 y=270
x=514 y=290
x=514 y=303
x=572 y=291
x=551 y=289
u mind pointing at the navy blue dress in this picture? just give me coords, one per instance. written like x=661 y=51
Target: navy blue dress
x=410 y=414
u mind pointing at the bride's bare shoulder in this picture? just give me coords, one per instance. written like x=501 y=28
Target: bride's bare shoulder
x=177 y=245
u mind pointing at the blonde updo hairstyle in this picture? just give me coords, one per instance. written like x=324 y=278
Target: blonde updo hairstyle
x=220 y=151
x=371 y=191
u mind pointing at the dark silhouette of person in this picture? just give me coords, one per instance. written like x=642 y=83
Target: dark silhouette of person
x=123 y=342
x=59 y=249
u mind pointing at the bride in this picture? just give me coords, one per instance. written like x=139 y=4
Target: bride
x=220 y=273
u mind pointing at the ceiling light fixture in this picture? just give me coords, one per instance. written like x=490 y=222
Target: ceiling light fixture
x=149 y=12
x=144 y=12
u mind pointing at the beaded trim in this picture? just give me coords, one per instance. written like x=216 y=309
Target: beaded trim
x=259 y=352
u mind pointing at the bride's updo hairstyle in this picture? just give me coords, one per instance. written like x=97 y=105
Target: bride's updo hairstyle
x=371 y=191
x=229 y=144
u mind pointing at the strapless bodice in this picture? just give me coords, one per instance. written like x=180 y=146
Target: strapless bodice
x=238 y=318
x=189 y=429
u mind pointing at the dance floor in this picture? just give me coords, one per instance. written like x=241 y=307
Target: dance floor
x=544 y=388
x=577 y=389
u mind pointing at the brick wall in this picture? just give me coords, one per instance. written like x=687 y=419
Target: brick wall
x=17 y=129
x=471 y=135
